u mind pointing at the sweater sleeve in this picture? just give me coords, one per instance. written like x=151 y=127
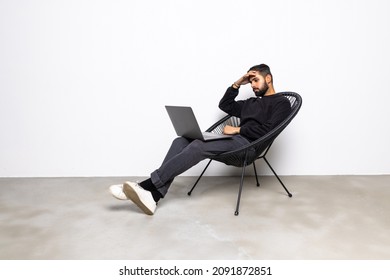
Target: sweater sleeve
x=254 y=131
x=229 y=105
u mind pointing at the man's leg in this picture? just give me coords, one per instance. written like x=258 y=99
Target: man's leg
x=176 y=147
x=188 y=156
x=182 y=155
x=145 y=194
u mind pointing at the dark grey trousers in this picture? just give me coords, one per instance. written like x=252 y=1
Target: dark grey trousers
x=184 y=154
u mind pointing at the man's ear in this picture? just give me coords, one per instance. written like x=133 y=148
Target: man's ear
x=268 y=79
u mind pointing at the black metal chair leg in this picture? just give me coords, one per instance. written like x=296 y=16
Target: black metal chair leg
x=240 y=189
x=289 y=194
x=189 y=193
x=257 y=179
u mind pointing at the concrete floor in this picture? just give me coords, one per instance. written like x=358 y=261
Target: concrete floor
x=328 y=217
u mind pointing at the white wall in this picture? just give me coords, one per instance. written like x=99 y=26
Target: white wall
x=83 y=84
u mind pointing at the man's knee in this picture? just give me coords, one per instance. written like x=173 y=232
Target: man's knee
x=180 y=141
x=197 y=145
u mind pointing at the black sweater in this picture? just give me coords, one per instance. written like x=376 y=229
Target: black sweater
x=258 y=115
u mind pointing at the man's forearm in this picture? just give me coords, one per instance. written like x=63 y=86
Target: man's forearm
x=228 y=103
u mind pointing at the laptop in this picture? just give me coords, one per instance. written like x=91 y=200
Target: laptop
x=186 y=125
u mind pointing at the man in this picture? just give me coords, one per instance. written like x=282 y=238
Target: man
x=258 y=116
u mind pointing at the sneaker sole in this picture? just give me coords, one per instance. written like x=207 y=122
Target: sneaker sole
x=133 y=196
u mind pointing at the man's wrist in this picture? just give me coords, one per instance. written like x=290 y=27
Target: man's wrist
x=236 y=86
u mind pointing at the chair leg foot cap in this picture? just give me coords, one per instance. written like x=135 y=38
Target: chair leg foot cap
x=290 y=195
x=236 y=213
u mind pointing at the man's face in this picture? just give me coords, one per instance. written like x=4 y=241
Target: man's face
x=258 y=84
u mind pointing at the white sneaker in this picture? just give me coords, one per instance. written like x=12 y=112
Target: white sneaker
x=141 y=197
x=117 y=192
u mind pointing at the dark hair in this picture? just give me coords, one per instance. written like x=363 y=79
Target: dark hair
x=263 y=69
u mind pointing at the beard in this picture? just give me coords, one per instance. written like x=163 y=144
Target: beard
x=262 y=91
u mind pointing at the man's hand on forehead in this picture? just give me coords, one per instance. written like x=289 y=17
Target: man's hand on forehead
x=251 y=75
x=246 y=78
